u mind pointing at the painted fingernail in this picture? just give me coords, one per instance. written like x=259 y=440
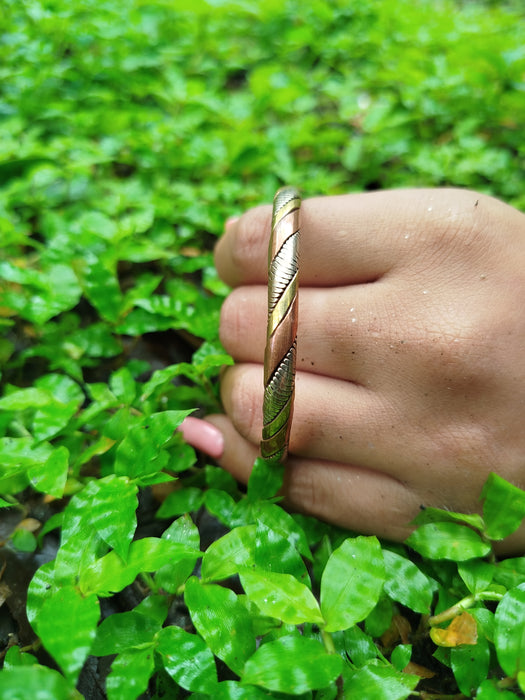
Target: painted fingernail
x=203 y=436
x=230 y=221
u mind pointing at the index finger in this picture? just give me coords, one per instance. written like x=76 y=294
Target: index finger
x=345 y=239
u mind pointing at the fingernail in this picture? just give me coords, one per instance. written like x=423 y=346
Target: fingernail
x=203 y=436
x=230 y=221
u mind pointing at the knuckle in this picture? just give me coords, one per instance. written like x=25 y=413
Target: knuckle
x=242 y=328
x=231 y=323
x=459 y=228
x=251 y=238
x=303 y=490
x=243 y=401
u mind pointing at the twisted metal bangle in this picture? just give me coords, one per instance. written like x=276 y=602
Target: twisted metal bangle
x=281 y=336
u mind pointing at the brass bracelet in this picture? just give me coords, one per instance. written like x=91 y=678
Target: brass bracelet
x=281 y=335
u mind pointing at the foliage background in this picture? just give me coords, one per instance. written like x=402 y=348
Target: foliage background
x=131 y=130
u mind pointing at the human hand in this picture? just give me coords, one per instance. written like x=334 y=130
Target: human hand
x=410 y=383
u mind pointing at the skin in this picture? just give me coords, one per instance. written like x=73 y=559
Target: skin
x=410 y=385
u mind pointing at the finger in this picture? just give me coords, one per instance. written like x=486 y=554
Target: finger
x=202 y=435
x=238 y=454
x=345 y=239
x=349 y=496
x=367 y=501
x=332 y=419
x=342 y=333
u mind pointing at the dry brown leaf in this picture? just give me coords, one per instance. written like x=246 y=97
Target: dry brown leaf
x=399 y=630
x=418 y=670
x=29 y=524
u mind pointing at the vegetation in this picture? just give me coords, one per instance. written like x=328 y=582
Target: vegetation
x=130 y=131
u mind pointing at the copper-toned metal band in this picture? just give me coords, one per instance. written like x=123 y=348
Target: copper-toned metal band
x=281 y=336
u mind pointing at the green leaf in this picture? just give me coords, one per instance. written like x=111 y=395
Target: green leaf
x=521 y=680
x=80 y=543
x=186 y=500
x=62 y=387
x=352 y=582
x=23 y=540
x=222 y=505
x=187 y=659
x=509 y=631
x=438 y=515
x=265 y=480
x=401 y=655
x=503 y=507
x=15 y=658
x=123 y=385
x=55 y=290
x=476 y=574
x=170 y=577
x=67 y=624
x=234 y=690
x=184 y=531
x=278 y=547
x=141 y=452
x=182 y=456
x=272 y=516
x=375 y=682
x=485 y=620
x=130 y=674
x=35 y=682
x=160 y=378
x=359 y=646
x=510 y=572
x=448 y=541
x=109 y=506
x=379 y=619
x=406 y=584
x=489 y=690
x=292 y=665
x=50 y=420
x=210 y=355
x=222 y=620
x=30 y=397
x=51 y=476
x=22 y=460
x=122 y=631
x=281 y=596
x=41 y=587
x=111 y=573
x=470 y=664
x=101 y=287
x=229 y=553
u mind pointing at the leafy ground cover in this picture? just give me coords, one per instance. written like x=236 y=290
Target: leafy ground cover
x=131 y=567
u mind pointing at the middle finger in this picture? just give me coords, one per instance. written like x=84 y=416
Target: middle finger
x=343 y=332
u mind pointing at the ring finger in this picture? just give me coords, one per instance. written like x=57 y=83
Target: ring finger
x=333 y=420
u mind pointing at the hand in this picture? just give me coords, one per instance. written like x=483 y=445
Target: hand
x=410 y=383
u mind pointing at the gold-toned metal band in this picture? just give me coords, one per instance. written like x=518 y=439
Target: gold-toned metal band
x=281 y=336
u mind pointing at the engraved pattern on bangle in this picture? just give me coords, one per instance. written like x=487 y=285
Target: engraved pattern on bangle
x=281 y=337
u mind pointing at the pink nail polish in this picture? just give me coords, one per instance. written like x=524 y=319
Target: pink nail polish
x=230 y=221
x=203 y=436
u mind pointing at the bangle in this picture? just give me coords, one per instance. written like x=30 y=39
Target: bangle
x=281 y=335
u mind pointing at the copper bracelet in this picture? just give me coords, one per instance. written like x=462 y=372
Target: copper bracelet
x=281 y=335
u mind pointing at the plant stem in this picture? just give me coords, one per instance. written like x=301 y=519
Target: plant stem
x=328 y=642
x=330 y=648
x=439 y=696
x=463 y=605
x=149 y=582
